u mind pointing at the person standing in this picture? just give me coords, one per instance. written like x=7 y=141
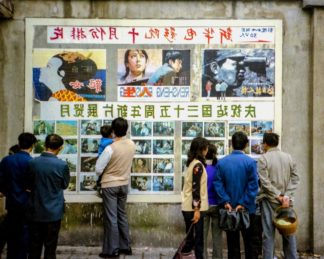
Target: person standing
x=195 y=196
x=211 y=219
x=236 y=184
x=279 y=180
x=115 y=166
x=48 y=177
x=13 y=178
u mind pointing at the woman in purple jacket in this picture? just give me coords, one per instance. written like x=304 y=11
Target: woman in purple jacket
x=212 y=215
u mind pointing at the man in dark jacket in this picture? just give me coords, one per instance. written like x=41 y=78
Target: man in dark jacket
x=13 y=178
x=49 y=176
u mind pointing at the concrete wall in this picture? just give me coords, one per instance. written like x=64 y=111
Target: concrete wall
x=161 y=224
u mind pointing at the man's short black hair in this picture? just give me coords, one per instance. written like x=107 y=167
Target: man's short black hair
x=106 y=131
x=14 y=149
x=239 y=140
x=26 y=140
x=172 y=55
x=119 y=126
x=53 y=141
x=271 y=139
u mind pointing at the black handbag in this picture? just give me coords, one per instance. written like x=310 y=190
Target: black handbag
x=181 y=255
x=233 y=220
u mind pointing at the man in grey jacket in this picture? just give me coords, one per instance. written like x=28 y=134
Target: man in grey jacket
x=279 y=180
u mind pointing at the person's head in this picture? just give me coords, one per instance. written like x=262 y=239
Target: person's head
x=26 y=140
x=13 y=149
x=67 y=67
x=141 y=162
x=106 y=131
x=198 y=150
x=135 y=61
x=120 y=127
x=239 y=140
x=174 y=59
x=270 y=140
x=54 y=143
x=212 y=153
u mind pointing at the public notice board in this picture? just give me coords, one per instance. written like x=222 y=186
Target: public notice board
x=173 y=80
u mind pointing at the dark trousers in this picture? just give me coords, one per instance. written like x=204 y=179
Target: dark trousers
x=43 y=233
x=195 y=239
x=3 y=232
x=233 y=242
x=17 y=234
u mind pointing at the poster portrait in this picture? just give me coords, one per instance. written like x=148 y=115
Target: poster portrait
x=243 y=72
x=135 y=66
x=69 y=75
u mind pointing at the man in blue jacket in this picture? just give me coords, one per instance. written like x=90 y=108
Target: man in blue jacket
x=13 y=178
x=236 y=184
x=49 y=176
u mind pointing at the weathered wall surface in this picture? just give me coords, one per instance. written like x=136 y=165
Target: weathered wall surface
x=161 y=224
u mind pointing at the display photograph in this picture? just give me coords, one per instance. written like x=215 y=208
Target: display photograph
x=192 y=129
x=163 y=146
x=89 y=145
x=141 y=128
x=90 y=127
x=67 y=128
x=141 y=165
x=43 y=127
x=214 y=129
x=163 y=165
x=141 y=183
x=258 y=128
x=162 y=183
x=143 y=147
x=163 y=129
x=239 y=126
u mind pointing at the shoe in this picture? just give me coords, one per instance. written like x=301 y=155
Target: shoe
x=126 y=251
x=115 y=255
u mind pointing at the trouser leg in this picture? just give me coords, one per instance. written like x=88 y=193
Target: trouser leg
x=188 y=215
x=51 y=238
x=199 y=237
x=233 y=244
x=217 y=239
x=111 y=233
x=249 y=240
x=268 y=229
x=36 y=234
x=206 y=231
x=289 y=246
x=124 y=238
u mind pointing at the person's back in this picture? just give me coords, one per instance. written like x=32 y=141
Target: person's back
x=279 y=165
x=119 y=167
x=51 y=177
x=236 y=169
x=115 y=166
x=236 y=184
x=13 y=179
x=278 y=180
x=107 y=138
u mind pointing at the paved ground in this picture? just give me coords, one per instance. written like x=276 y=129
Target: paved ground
x=67 y=252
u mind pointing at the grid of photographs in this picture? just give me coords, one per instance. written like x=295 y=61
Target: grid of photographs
x=220 y=133
x=153 y=168
x=153 y=164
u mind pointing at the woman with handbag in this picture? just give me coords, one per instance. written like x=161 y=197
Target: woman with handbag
x=195 y=197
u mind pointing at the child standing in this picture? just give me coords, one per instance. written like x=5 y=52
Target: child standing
x=107 y=139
